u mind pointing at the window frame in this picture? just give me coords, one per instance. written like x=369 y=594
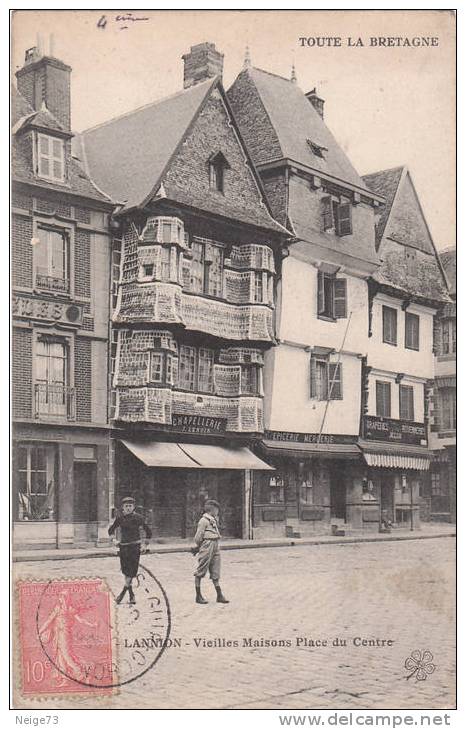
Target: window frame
x=379 y=384
x=448 y=342
x=63 y=410
x=66 y=237
x=50 y=470
x=203 y=267
x=324 y=391
x=406 y=406
x=336 y=290
x=195 y=379
x=447 y=407
x=387 y=311
x=218 y=164
x=414 y=343
x=50 y=157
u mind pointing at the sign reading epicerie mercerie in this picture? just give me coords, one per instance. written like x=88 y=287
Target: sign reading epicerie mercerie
x=395 y=431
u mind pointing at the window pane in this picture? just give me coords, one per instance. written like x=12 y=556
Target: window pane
x=57 y=168
x=321 y=380
x=216 y=272
x=44 y=167
x=44 y=145
x=41 y=252
x=383 y=404
x=206 y=360
x=38 y=459
x=187 y=367
x=389 y=317
x=197 y=267
x=22 y=458
x=258 y=288
x=57 y=148
x=166 y=232
x=165 y=264
x=156 y=366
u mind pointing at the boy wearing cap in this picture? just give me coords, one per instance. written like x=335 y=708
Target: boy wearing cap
x=130 y=525
x=208 y=551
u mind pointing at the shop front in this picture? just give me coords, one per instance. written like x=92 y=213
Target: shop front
x=171 y=480
x=397 y=460
x=311 y=489
x=60 y=486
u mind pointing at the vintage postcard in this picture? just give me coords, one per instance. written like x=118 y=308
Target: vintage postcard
x=233 y=341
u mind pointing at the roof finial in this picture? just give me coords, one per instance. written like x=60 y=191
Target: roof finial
x=247 y=58
x=294 y=78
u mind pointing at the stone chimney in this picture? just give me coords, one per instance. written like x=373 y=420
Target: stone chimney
x=46 y=79
x=316 y=102
x=201 y=63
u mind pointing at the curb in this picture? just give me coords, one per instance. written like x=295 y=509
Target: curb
x=177 y=549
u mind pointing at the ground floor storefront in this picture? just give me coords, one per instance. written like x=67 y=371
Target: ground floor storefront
x=439 y=490
x=335 y=487
x=172 y=479
x=61 y=479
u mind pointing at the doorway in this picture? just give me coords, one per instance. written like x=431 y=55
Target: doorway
x=85 y=501
x=169 y=503
x=338 y=499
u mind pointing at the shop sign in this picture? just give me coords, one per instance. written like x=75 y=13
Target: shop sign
x=285 y=436
x=45 y=309
x=394 y=431
x=201 y=424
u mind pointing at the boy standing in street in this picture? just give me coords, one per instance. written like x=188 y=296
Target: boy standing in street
x=130 y=525
x=208 y=551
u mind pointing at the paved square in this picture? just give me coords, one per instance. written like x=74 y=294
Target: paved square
x=273 y=645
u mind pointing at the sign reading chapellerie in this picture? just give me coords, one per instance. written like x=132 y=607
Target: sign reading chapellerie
x=394 y=431
x=286 y=436
x=202 y=424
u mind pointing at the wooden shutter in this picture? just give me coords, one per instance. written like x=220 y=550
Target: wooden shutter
x=389 y=317
x=327 y=216
x=320 y=293
x=339 y=298
x=383 y=399
x=406 y=402
x=335 y=383
x=343 y=221
x=313 y=385
x=437 y=336
x=411 y=331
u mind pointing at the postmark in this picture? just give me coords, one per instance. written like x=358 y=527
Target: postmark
x=75 y=640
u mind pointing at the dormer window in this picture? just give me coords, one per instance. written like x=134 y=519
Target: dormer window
x=50 y=158
x=217 y=166
x=336 y=215
x=317 y=149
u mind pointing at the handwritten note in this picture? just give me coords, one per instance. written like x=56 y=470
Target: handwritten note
x=123 y=22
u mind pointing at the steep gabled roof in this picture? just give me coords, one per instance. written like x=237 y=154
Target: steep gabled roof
x=293 y=124
x=126 y=156
x=402 y=233
x=385 y=183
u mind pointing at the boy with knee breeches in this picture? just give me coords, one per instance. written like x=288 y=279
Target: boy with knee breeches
x=207 y=539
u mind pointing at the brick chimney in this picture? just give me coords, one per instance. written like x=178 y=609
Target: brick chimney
x=201 y=63
x=46 y=79
x=316 y=102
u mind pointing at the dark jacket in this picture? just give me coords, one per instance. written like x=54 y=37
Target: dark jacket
x=130 y=525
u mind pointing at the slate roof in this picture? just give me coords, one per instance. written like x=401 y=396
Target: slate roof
x=128 y=156
x=23 y=115
x=385 y=183
x=294 y=121
x=142 y=142
x=401 y=228
x=448 y=260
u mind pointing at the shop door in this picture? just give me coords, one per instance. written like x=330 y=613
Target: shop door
x=169 y=512
x=337 y=497
x=230 y=488
x=85 y=502
x=387 y=494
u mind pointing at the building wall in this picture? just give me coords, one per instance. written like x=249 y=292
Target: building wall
x=398 y=358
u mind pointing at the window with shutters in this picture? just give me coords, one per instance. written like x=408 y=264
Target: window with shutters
x=326 y=379
x=331 y=296
x=383 y=399
x=206 y=268
x=406 y=402
x=448 y=334
x=389 y=324
x=411 y=331
x=50 y=158
x=337 y=216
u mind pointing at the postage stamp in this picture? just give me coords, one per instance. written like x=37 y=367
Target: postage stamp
x=75 y=640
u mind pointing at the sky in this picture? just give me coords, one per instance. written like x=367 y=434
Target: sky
x=386 y=106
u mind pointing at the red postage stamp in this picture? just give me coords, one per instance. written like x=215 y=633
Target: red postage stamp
x=65 y=637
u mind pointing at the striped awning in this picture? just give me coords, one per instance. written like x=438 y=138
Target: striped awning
x=391 y=455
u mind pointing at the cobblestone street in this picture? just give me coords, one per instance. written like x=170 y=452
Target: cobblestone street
x=401 y=591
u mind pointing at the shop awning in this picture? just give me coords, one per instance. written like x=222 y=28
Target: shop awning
x=396 y=455
x=210 y=456
x=187 y=455
x=160 y=455
x=312 y=450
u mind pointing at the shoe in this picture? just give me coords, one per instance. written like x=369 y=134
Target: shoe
x=200 y=600
x=222 y=598
x=121 y=595
x=132 y=599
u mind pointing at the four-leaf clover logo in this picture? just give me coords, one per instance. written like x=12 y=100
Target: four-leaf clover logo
x=420 y=664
